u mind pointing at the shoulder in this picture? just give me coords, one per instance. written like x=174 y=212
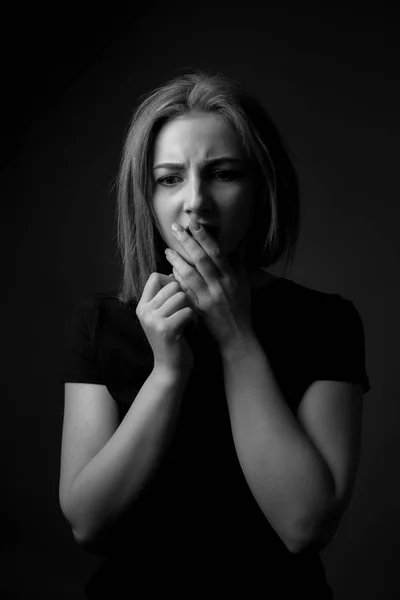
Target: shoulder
x=102 y=301
x=330 y=320
x=305 y=306
x=309 y=297
x=102 y=309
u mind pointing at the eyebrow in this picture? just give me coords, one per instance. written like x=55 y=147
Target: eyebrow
x=211 y=161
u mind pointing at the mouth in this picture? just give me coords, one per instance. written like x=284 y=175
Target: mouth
x=211 y=230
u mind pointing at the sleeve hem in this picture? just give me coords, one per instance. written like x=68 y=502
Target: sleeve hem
x=76 y=379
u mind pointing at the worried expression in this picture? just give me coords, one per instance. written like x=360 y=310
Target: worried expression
x=200 y=172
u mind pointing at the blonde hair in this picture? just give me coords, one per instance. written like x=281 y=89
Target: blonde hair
x=274 y=231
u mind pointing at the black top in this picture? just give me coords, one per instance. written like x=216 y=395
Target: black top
x=197 y=518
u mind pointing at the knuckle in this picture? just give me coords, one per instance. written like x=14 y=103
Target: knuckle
x=215 y=252
x=201 y=257
x=188 y=275
x=175 y=286
x=190 y=312
x=146 y=319
x=160 y=327
x=218 y=297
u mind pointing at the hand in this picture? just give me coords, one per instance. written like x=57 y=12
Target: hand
x=163 y=313
x=219 y=295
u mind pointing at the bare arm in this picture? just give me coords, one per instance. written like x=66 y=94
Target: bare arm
x=286 y=474
x=302 y=469
x=108 y=484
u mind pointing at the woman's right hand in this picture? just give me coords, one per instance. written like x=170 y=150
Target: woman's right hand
x=164 y=312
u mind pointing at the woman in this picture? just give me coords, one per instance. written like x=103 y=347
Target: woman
x=213 y=414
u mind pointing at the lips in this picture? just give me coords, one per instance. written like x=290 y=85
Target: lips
x=211 y=229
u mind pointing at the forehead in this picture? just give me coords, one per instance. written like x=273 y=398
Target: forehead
x=205 y=135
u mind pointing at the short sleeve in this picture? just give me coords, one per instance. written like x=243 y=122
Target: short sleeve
x=340 y=349
x=80 y=362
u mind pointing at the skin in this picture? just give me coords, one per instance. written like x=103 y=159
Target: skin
x=306 y=505
x=223 y=193
x=209 y=179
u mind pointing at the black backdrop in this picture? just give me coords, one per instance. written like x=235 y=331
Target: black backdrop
x=329 y=77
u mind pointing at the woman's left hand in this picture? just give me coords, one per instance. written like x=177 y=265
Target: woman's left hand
x=219 y=295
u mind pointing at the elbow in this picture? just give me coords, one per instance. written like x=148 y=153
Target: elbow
x=68 y=511
x=82 y=540
x=78 y=538
x=295 y=543
x=315 y=531
x=90 y=545
x=75 y=523
x=316 y=538
x=298 y=544
x=100 y=539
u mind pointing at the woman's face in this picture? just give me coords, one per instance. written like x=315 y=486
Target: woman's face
x=200 y=171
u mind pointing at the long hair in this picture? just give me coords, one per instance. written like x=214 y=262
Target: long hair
x=274 y=231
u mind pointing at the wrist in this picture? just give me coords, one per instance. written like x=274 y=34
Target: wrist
x=238 y=346
x=170 y=376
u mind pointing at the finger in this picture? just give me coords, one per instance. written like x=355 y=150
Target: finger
x=185 y=274
x=164 y=294
x=212 y=249
x=189 y=302
x=192 y=298
x=205 y=265
x=173 y=304
x=176 y=323
x=154 y=284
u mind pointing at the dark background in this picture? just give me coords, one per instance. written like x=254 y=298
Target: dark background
x=70 y=81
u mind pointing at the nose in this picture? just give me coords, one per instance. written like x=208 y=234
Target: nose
x=197 y=198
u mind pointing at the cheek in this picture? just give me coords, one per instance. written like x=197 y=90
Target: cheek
x=164 y=218
x=237 y=222
x=241 y=213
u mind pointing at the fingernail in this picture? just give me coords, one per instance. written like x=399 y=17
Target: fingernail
x=176 y=228
x=195 y=225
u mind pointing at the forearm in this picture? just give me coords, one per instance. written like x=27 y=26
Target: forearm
x=111 y=481
x=287 y=476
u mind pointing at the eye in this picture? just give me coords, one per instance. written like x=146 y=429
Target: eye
x=166 y=181
x=226 y=175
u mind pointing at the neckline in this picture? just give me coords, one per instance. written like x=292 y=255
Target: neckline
x=259 y=282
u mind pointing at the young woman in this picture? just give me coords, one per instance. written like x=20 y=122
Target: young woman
x=213 y=410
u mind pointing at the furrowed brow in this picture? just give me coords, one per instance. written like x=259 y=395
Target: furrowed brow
x=208 y=162
x=169 y=166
